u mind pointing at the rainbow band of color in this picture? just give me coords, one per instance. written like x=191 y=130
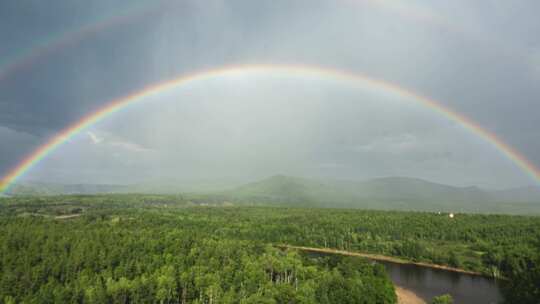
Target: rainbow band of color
x=294 y=70
x=25 y=58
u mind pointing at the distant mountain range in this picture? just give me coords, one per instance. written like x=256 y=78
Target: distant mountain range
x=523 y=194
x=390 y=193
x=39 y=188
x=390 y=188
x=168 y=186
x=394 y=193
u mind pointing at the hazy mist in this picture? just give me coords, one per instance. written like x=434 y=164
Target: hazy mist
x=480 y=59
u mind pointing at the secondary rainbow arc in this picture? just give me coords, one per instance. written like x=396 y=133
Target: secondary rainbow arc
x=26 y=57
x=299 y=70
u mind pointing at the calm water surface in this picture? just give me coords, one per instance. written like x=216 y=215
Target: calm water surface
x=428 y=283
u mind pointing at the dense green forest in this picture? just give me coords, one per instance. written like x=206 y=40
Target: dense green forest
x=173 y=249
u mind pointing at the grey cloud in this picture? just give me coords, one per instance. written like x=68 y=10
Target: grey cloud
x=480 y=59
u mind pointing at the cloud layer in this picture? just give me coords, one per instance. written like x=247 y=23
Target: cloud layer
x=481 y=60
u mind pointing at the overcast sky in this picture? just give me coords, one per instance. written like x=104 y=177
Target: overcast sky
x=61 y=60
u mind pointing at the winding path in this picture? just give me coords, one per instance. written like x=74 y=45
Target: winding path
x=378 y=257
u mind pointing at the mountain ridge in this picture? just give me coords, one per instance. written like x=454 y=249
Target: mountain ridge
x=386 y=193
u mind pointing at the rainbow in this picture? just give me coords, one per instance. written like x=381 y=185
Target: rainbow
x=62 y=40
x=290 y=70
x=49 y=45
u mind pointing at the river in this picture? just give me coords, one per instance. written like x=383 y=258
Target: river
x=427 y=283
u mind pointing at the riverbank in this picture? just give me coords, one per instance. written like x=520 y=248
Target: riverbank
x=383 y=258
x=406 y=296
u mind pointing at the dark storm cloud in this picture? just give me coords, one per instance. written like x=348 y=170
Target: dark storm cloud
x=482 y=60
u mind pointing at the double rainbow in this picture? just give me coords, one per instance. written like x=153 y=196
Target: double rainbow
x=27 y=57
x=290 y=70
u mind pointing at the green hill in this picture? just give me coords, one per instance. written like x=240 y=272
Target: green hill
x=390 y=193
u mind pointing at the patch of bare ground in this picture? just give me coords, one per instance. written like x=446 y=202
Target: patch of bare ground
x=68 y=216
x=406 y=296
